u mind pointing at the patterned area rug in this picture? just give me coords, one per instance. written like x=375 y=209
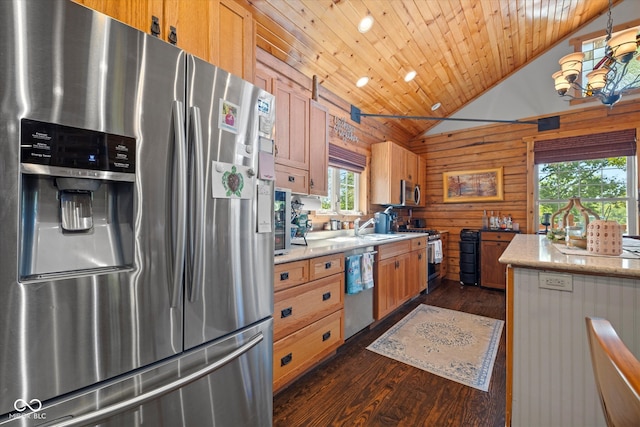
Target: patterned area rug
x=458 y=346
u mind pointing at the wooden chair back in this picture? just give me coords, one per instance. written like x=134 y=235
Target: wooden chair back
x=617 y=374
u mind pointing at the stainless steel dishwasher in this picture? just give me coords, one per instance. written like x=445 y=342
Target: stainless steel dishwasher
x=358 y=308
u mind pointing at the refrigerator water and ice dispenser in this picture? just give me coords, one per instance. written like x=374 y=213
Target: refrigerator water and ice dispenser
x=77 y=200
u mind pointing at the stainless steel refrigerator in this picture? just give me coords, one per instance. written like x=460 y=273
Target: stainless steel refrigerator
x=136 y=242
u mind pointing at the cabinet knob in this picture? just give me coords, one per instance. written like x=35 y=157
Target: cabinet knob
x=286 y=360
x=286 y=312
x=173 y=35
x=155 y=26
x=326 y=335
x=284 y=276
x=326 y=296
x=311 y=183
x=327 y=265
x=292 y=178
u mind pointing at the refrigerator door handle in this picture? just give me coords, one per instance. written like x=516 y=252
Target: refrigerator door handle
x=109 y=411
x=197 y=198
x=178 y=202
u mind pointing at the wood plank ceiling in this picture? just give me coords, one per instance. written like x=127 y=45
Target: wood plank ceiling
x=459 y=48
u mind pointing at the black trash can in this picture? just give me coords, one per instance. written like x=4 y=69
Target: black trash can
x=470 y=257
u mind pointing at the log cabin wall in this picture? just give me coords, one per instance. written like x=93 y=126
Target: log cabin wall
x=501 y=145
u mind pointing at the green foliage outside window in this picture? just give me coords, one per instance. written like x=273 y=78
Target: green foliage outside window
x=600 y=184
x=343 y=192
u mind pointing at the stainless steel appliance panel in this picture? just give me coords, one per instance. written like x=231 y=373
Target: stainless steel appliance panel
x=220 y=384
x=409 y=193
x=231 y=285
x=65 y=64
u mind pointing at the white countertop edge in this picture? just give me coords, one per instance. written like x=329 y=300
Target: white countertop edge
x=536 y=251
x=317 y=248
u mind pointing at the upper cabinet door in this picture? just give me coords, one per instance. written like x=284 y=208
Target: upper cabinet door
x=194 y=25
x=236 y=40
x=318 y=148
x=136 y=13
x=292 y=128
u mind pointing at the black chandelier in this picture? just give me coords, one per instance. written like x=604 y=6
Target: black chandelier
x=608 y=80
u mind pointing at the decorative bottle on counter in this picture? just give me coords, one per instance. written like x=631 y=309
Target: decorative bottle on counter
x=485 y=220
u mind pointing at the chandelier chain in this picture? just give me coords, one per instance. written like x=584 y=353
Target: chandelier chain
x=609 y=22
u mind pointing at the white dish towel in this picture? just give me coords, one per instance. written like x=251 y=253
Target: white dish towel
x=437 y=251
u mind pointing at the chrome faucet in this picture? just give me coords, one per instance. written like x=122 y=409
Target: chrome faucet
x=357 y=228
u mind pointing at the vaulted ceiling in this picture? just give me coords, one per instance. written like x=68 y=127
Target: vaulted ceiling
x=459 y=48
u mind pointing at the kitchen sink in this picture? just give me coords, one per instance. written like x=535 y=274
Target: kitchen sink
x=378 y=236
x=343 y=239
x=372 y=236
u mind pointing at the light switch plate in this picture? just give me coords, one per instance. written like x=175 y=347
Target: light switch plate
x=555 y=281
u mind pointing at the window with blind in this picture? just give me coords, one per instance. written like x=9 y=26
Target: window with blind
x=600 y=169
x=345 y=167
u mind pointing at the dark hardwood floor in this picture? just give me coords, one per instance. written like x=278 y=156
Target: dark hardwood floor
x=357 y=387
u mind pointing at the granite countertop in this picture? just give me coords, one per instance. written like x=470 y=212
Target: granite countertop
x=536 y=251
x=321 y=247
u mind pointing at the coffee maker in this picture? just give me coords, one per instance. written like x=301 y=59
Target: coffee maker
x=384 y=221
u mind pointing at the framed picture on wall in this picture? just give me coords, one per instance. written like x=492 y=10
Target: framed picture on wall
x=483 y=185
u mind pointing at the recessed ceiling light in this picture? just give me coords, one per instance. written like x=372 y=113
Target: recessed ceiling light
x=435 y=106
x=365 y=24
x=362 y=81
x=410 y=76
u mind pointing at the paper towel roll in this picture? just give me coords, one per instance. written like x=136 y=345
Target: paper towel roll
x=308 y=203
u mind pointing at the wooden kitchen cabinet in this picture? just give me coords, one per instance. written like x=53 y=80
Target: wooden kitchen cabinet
x=296 y=180
x=292 y=140
x=235 y=41
x=308 y=322
x=390 y=163
x=136 y=14
x=410 y=166
x=302 y=137
x=318 y=148
x=292 y=128
x=390 y=275
x=218 y=31
x=417 y=274
x=393 y=277
x=492 y=245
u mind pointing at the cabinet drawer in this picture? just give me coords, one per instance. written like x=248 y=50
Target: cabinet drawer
x=290 y=274
x=297 y=307
x=325 y=266
x=299 y=351
x=297 y=180
x=392 y=249
x=496 y=236
x=419 y=243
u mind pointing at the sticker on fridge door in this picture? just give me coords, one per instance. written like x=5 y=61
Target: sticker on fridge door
x=229 y=116
x=265 y=209
x=229 y=181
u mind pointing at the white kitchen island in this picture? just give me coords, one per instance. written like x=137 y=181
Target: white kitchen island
x=549 y=375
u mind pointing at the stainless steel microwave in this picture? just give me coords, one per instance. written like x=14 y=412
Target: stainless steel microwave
x=282 y=220
x=409 y=193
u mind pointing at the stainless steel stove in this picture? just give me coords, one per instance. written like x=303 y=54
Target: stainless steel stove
x=433 y=234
